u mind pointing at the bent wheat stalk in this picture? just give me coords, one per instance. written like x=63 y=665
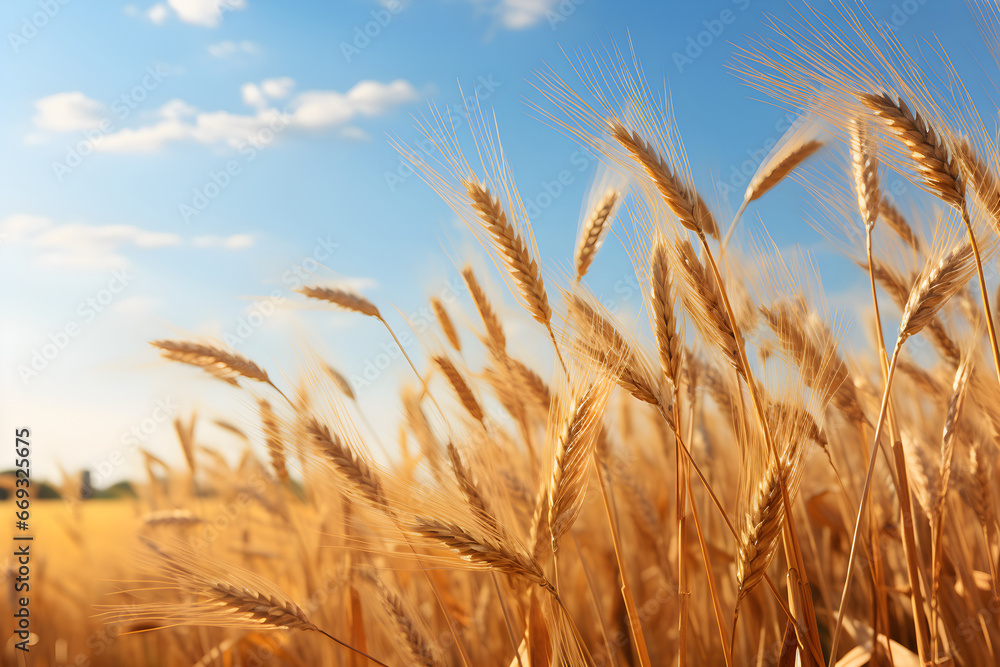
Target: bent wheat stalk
x=770 y=173
x=226 y=366
x=595 y=227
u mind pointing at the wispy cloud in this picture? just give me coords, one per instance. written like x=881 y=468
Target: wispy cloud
x=205 y=13
x=77 y=245
x=521 y=14
x=179 y=121
x=68 y=112
x=230 y=48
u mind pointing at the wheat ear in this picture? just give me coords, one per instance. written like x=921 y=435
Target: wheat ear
x=702 y=298
x=226 y=366
x=520 y=264
x=460 y=386
x=592 y=234
x=931 y=158
x=273 y=440
x=354 y=468
x=343 y=386
x=359 y=304
x=412 y=635
x=772 y=172
x=601 y=341
x=494 y=330
x=574 y=457
x=482 y=550
x=228 y=597
x=943 y=177
x=682 y=200
x=888 y=213
x=446 y=324
x=661 y=297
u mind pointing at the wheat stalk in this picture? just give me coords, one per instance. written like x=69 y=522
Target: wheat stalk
x=891 y=216
x=661 y=297
x=273 y=440
x=931 y=157
x=343 y=386
x=592 y=233
x=482 y=550
x=521 y=266
x=494 y=329
x=574 y=455
x=227 y=366
x=682 y=200
x=460 y=386
x=342 y=298
x=354 y=468
x=702 y=298
x=446 y=324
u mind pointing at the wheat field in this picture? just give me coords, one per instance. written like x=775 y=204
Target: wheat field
x=726 y=481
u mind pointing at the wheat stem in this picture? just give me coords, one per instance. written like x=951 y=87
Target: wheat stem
x=716 y=605
x=732 y=225
x=796 y=555
x=864 y=498
x=991 y=327
x=635 y=627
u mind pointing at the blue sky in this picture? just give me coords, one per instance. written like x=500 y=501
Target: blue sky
x=172 y=169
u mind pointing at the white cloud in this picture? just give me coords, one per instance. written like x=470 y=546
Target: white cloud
x=157 y=13
x=520 y=14
x=81 y=246
x=327 y=108
x=252 y=95
x=274 y=89
x=20 y=225
x=135 y=306
x=176 y=120
x=233 y=242
x=67 y=112
x=207 y=13
x=278 y=89
x=229 y=48
x=78 y=245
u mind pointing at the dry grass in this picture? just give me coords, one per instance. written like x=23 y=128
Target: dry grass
x=726 y=503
